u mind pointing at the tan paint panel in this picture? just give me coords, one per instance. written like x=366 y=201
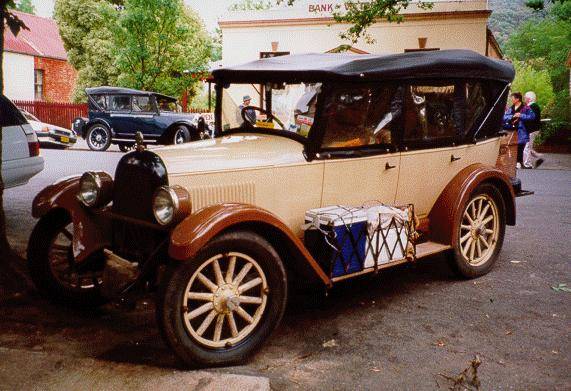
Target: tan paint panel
x=356 y=181
x=425 y=173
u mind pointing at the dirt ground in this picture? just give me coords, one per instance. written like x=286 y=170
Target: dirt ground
x=409 y=328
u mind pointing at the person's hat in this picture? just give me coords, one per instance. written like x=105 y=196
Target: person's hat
x=246 y=97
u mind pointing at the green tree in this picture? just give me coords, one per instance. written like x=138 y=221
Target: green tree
x=539 y=81
x=540 y=4
x=85 y=29
x=545 y=45
x=251 y=5
x=24 y=6
x=155 y=45
x=15 y=25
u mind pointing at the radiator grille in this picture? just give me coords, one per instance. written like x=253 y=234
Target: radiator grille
x=217 y=194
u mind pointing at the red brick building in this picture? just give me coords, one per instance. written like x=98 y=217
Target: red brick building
x=36 y=66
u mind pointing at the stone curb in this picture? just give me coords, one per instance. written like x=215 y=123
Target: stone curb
x=30 y=370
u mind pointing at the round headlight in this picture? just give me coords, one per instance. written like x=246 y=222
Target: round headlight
x=95 y=189
x=171 y=204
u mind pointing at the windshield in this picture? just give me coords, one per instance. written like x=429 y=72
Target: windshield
x=283 y=106
x=168 y=105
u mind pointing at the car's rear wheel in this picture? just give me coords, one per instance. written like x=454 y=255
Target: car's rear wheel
x=218 y=308
x=480 y=233
x=53 y=268
x=98 y=138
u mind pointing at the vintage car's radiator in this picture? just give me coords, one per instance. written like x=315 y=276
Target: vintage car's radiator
x=217 y=194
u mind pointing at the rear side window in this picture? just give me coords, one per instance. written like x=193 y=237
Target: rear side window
x=9 y=114
x=433 y=113
x=142 y=103
x=363 y=116
x=120 y=103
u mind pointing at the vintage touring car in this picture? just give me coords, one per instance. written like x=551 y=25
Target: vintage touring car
x=117 y=114
x=223 y=228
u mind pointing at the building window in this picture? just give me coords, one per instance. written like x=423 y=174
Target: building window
x=39 y=84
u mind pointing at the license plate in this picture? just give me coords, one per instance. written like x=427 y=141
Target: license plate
x=65 y=139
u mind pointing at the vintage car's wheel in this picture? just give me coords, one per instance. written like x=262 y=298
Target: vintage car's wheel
x=217 y=309
x=98 y=138
x=53 y=269
x=481 y=232
x=125 y=147
x=181 y=135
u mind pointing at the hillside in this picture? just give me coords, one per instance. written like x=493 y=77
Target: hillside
x=507 y=15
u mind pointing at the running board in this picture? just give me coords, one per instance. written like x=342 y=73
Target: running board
x=423 y=250
x=523 y=193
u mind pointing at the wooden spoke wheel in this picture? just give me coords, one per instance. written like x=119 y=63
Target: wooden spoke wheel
x=218 y=308
x=480 y=233
x=223 y=307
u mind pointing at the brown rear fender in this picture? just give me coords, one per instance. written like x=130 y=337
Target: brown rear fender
x=446 y=213
x=91 y=232
x=197 y=230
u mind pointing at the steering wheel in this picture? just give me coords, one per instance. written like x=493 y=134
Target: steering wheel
x=270 y=116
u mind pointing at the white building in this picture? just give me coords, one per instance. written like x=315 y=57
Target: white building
x=309 y=27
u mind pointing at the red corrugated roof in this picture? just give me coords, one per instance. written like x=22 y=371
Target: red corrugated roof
x=42 y=39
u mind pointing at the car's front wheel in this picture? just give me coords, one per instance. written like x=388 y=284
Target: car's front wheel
x=181 y=135
x=53 y=268
x=98 y=138
x=218 y=308
x=480 y=233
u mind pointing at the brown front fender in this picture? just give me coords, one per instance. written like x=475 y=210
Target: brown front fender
x=446 y=213
x=91 y=232
x=197 y=230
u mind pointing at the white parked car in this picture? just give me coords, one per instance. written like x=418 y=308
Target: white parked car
x=50 y=135
x=21 y=158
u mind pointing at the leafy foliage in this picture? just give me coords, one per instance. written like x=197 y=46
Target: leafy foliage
x=155 y=42
x=251 y=5
x=84 y=27
x=529 y=78
x=24 y=6
x=545 y=46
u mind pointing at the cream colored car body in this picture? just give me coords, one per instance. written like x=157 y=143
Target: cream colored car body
x=271 y=172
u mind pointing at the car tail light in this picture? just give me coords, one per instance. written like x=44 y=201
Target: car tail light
x=33 y=145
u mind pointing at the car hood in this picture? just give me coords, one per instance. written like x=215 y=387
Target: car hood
x=232 y=152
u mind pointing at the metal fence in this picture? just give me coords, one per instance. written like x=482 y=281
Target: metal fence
x=55 y=113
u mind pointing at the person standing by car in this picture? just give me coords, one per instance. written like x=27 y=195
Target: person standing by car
x=530 y=156
x=517 y=117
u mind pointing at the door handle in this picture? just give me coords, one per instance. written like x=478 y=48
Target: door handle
x=454 y=158
x=388 y=166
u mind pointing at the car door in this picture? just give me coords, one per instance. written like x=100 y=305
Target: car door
x=431 y=156
x=120 y=115
x=361 y=126
x=143 y=115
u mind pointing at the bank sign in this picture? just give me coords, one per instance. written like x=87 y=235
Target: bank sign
x=329 y=7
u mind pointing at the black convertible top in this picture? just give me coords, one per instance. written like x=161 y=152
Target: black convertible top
x=355 y=67
x=126 y=91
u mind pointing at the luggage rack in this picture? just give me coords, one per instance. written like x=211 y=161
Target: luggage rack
x=342 y=253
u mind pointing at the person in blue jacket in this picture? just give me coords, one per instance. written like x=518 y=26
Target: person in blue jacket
x=516 y=117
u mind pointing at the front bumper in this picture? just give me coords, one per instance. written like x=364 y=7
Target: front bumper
x=52 y=139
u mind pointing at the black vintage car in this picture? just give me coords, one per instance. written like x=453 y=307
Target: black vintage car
x=116 y=114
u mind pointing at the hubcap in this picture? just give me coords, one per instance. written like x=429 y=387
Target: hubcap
x=98 y=137
x=220 y=309
x=479 y=230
